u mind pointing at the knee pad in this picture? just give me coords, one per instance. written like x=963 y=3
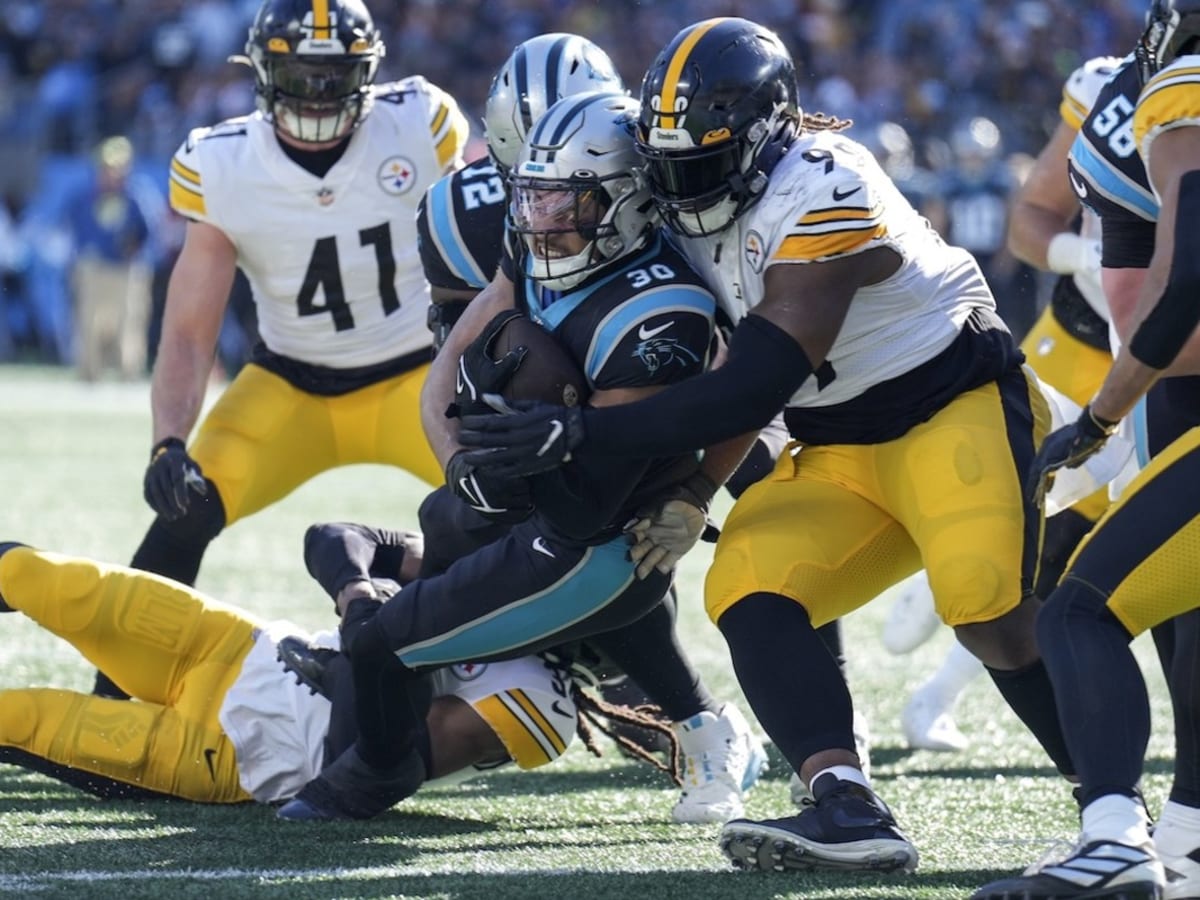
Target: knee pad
x=1072 y=602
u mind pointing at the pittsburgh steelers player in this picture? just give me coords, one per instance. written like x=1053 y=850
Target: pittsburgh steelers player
x=1068 y=347
x=461 y=226
x=314 y=197
x=595 y=271
x=1136 y=163
x=218 y=719
x=912 y=418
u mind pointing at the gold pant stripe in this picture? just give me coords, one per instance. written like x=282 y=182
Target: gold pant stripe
x=264 y=438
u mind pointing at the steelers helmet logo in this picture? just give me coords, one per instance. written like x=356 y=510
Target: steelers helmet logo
x=468 y=671
x=397 y=175
x=755 y=251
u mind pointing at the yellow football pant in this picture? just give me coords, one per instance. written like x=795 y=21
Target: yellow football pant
x=833 y=526
x=174 y=650
x=1144 y=552
x=1068 y=364
x=264 y=438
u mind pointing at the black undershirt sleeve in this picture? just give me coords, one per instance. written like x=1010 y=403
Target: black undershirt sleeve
x=765 y=367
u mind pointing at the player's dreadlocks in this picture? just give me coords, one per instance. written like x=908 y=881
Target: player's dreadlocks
x=819 y=121
x=599 y=714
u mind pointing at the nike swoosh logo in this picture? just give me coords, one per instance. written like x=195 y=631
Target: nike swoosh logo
x=1080 y=187
x=562 y=712
x=539 y=544
x=208 y=758
x=556 y=430
x=838 y=195
x=645 y=333
x=844 y=819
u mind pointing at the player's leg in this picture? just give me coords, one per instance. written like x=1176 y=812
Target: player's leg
x=819 y=551
x=392 y=408
x=154 y=636
x=116 y=749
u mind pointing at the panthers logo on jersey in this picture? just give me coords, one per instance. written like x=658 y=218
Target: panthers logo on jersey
x=662 y=352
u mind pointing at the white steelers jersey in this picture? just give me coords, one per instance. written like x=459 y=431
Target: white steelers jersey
x=332 y=261
x=1079 y=96
x=278 y=726
x=1171 y=99
x=828 y=198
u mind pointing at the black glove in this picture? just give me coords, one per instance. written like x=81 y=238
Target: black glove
x=481 y=377
x=502 y=499
x=1069 y=447
x=534 y=437
x=169 y=477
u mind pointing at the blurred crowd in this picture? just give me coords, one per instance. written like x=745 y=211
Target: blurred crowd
x=955 y=96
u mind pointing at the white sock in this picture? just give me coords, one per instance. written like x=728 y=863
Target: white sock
x=958 y=669
x=1115 y=817
x=1177 y=832
x=842 y=773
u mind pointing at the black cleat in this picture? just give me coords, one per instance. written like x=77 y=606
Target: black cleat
x=308 y=663
x=349 y=788
x=1099 y=869
x=847 y=828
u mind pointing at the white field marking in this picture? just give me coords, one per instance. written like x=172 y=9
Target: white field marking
x=10 y=881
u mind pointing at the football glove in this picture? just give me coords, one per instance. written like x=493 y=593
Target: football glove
x=670 y=527
x=480 y=378
x=1068 y=447
x=171 y=478
x=500 y=498
x=534 y=437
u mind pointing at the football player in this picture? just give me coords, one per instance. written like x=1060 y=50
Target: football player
x=911 y=415
x=1068 y=348
x=595 y=272
x=219 y=719
x=461 y=226
x=1136 y=163
x=314 y=197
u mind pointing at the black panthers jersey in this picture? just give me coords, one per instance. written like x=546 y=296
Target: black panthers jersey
x=647 y=320
x=1109 y=177
x=460 y=227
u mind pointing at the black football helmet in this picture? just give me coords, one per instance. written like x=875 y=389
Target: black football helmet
x=314 y=63
x=1172 y=29
x=719 y=107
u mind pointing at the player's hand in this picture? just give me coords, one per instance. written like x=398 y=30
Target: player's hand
x=533 y=437
x=500 y=498
x=480 y=378
x=171 y=478
x=1068 y=447
x=671 y=526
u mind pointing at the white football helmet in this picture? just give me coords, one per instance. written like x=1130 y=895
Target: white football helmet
x=577 y=176
x=539 y=73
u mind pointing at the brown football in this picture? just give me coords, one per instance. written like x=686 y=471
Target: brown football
x=548 y=373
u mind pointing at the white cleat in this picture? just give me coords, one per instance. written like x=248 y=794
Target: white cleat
x=912 y=620
x=929 y=725
x=1179 y=850
x=722 y=759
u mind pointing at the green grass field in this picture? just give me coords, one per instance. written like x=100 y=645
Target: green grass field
x=71 y=462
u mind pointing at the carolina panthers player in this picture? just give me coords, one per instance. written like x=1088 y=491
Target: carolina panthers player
x=219 y=719
x=904 y=393
x=461 y=226
x=314 y=197
x=595 y=271
x=1136 y=163
x=1068 y=348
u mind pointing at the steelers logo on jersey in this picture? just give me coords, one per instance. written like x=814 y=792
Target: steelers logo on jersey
x=754 y=250
x=397 y=175
x=468 y=671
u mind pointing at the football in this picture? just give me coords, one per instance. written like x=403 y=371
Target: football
x=548 y=373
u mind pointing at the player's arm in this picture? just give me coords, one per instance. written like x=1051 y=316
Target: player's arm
x=1039 y=225
x=197 y=294
x=1166 y=313
x=439 y=388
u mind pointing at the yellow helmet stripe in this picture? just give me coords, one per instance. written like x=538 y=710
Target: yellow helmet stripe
x=320 y=20
x=666 y=108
